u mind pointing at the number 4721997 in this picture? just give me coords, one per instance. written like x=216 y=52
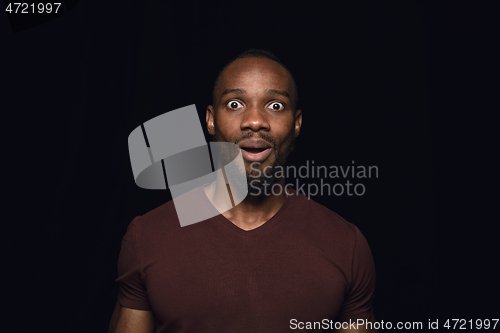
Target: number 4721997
x=26 y=8
x=463 y=324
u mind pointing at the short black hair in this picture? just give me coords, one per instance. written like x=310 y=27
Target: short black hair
x=258 y=53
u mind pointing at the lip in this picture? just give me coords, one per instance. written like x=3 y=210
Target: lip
x=255 y=157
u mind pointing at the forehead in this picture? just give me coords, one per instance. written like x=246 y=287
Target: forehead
x=255 y=74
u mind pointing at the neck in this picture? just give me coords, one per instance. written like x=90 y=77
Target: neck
x=253 y=211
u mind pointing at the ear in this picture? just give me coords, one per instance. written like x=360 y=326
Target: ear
x=298 y=122
x=210 y=120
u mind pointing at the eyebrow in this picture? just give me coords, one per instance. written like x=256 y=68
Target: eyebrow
x=277 y=92
x=268 y=91
x=234 y=91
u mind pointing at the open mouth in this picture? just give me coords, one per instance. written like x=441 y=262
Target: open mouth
x=255 y=154
x=254 y=150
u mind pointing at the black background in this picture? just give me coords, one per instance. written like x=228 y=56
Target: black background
x=406 y=86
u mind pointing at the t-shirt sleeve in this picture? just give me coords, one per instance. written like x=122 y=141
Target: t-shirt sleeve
x=132 y=291
x=358 y=301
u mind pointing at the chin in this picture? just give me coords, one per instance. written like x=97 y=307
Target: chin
x=252 y=167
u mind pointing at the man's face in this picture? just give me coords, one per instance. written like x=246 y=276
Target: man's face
x=254 y=109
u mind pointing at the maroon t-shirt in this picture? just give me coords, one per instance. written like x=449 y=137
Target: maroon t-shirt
x=305 y=264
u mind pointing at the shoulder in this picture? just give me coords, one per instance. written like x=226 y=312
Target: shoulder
x=163 y=221
x=158 y=220
x=324 y=219
x=327 y=230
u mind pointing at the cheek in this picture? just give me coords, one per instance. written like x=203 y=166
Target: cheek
x=288 y=133
x=227 y=128
x=223 y=132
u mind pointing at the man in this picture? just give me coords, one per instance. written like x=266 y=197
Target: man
x=275 y=262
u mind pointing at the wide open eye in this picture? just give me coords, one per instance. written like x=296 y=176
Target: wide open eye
x=276 y=106
x=234 y=105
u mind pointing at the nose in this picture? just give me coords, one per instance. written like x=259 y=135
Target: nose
x=255 y=119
